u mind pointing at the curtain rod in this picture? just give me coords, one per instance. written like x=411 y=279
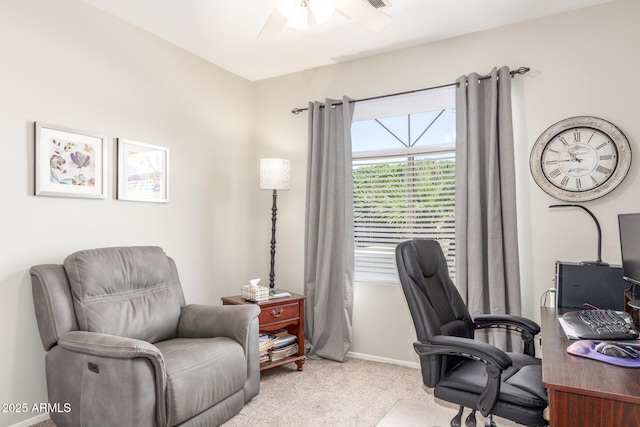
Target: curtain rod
x=521 y=70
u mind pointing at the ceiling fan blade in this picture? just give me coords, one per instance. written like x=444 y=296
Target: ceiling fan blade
x=272 y=27
x=372 y=18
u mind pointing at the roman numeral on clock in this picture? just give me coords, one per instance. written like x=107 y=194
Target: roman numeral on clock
x=604 y=144
x=576 y=136
x=603 y=170
x=564 y=181
x=554 y=173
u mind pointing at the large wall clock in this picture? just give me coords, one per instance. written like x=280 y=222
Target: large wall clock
x=580 y=159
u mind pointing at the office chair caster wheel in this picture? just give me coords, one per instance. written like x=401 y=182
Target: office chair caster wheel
x=457 y=420
x=471 y=419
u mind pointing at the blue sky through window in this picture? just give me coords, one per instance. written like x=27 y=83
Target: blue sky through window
x=369 y=135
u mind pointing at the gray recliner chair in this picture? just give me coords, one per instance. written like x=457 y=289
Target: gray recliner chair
x=123 y=349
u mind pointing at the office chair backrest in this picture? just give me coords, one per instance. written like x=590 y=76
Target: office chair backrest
x=434 y=302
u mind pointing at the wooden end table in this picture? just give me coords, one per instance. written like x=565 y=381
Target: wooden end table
x=278 y=313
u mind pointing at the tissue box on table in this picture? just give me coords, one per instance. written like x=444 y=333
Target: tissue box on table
x=258 y=294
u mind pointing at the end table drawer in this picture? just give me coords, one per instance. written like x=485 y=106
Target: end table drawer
x=278 y=313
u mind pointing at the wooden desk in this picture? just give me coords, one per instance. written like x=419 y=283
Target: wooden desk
x=585 y=392
x=287 y=312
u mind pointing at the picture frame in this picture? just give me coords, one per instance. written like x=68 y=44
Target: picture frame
x=69 y=162
x=143 y=172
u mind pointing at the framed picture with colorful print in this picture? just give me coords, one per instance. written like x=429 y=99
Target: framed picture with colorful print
x=69 y=162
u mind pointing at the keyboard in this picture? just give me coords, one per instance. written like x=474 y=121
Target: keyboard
x=602 y=325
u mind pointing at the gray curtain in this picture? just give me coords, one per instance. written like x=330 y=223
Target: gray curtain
x=328 y=269
x=487 y=267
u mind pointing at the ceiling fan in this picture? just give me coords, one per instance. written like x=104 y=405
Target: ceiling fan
x=300 y=13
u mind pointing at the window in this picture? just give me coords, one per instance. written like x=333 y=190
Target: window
x=404 y=188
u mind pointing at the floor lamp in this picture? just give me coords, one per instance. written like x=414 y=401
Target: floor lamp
x=274 y=175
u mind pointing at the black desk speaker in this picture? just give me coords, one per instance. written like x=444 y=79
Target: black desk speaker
x=602 y=287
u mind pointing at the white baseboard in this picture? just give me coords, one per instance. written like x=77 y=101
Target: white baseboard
x=31 y=421
x=384 y=360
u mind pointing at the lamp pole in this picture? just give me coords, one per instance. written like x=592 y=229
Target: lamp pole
x=274 y=210
x=274 y=175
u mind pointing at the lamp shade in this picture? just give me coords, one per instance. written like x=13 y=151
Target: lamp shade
x=275 y=174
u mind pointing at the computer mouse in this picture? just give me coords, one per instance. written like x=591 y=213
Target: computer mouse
x=617 y=349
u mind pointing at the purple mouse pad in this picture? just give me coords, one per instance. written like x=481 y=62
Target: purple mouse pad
x=587 y=349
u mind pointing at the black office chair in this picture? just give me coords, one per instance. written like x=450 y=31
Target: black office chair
x=470 y=373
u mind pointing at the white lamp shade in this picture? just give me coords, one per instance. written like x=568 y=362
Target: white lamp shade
x=275 y=174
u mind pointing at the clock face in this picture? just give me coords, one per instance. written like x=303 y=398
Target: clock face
x=580 y=159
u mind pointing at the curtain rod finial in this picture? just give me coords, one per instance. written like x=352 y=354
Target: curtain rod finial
x=296 y=110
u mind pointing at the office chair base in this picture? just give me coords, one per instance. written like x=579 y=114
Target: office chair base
x=470 y=421
x=457 y=420
x=489 y=422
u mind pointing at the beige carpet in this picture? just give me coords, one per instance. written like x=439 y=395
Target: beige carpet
x=354 y=393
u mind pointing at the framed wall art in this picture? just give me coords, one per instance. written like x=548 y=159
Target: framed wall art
x=143 y=172
x=69 y=162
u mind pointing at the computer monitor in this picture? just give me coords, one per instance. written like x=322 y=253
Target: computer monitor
x=629 y=225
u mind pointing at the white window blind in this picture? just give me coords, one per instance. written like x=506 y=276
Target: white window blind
x=404 y=178
x=401 y=197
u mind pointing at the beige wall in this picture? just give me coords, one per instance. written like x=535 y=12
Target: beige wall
x=71 y=65
x=582 y=64
x=68 y=64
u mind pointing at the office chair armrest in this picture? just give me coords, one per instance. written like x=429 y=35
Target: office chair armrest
x=527 y=328
x=495 y=360
x=465 y=347
x=488 y=320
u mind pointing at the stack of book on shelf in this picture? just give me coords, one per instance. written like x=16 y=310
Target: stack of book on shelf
x=277 y=345
x=284 y=346
x=265 y=342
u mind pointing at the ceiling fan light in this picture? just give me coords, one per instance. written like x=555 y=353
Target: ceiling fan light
x=300 y=19
x=287 y=8
x=322 y=9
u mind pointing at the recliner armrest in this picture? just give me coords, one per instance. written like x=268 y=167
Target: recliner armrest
x=208 y=321
x=105 y=345
x=495 y=360
x=111 y=346
x=526 y=327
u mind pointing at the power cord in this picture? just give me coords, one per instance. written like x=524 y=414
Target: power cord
x=545 y=294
